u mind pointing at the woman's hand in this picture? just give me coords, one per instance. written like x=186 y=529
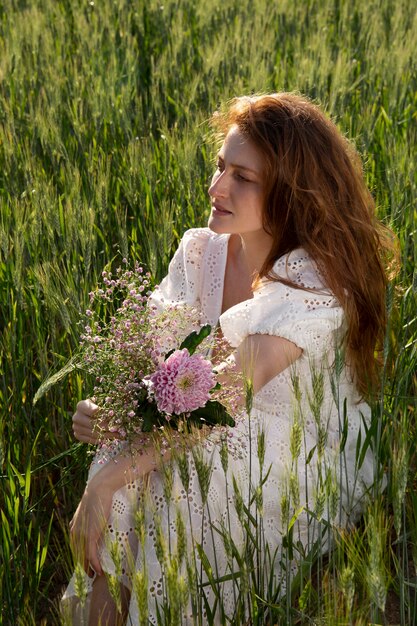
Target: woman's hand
x=93 y=512
x=88 y=524
x=88 y=427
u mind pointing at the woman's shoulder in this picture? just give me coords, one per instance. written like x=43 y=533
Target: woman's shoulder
x=200 y=243
x=299 y=267
x=297 y=306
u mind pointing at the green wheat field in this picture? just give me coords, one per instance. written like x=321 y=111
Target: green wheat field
x=105 y=152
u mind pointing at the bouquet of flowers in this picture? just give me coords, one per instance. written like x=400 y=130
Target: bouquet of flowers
x=143 y=377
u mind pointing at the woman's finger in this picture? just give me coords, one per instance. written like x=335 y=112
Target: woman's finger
x=92 y=556
x=95 y=436
x=88 y=407
x=83 y=430
x=85 y=551
x=87 y=439
x=88 y=524
x=82 y=419
x=82 y=424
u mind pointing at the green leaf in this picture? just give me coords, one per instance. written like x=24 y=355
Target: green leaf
x=369 y=436
x=295 y=516
x=207 y=569
x=212 y=413
x=345 y=426
x=193 y=340
x=310 y=454
x=150 y=416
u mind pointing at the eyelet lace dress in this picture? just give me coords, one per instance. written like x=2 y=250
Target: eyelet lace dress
x=303 y=466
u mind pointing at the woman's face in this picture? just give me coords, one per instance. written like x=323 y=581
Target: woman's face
x=236 y=190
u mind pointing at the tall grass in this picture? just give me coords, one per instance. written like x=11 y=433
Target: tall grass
x=103 y=152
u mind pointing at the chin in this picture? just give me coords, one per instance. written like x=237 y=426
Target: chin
x=217 y=227
x=213 y=226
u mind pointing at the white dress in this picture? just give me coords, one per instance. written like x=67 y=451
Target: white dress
x=311 y=440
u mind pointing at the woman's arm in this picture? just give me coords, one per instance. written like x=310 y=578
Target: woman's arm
x=93 y=511
x=262 y=357
x=259 y=357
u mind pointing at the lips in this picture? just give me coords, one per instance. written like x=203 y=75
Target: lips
x=220 y=210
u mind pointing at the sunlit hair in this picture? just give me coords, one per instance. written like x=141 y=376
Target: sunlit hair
x=316 y=198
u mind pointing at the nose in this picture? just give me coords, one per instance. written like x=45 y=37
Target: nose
x=218 y=186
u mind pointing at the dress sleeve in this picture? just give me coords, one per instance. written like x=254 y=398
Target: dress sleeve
x=182 y=285
x=309 y=316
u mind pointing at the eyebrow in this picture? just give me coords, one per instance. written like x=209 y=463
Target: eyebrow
x=240 y=167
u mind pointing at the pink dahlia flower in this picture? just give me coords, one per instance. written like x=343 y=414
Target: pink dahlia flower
x=182 y=383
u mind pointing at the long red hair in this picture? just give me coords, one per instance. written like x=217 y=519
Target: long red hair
x=316 y=198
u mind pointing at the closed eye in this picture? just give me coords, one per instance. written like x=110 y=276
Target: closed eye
x=241 y=177
x=237 y=173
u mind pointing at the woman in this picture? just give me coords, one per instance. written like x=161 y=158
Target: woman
x=291 y=267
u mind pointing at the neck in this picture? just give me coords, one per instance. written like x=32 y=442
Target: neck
x=253 y=249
